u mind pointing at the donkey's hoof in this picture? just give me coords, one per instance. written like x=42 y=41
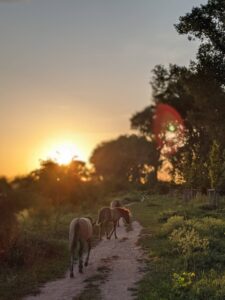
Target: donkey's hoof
x=108 y=237
x=71 y=275
x=86 y=264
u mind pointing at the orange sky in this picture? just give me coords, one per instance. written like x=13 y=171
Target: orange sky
x=75 y=71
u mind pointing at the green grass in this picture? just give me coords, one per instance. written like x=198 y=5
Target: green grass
x=39 y=255
x=42 y=252
x=20 y=281
x=167 y=268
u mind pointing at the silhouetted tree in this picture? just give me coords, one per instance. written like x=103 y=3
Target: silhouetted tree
x=197 y=93
x=207 y=24
x=127 y=159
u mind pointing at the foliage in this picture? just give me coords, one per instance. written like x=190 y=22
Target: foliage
x=210 y=225
x=188 y=241
x=127 y=159
x=171 y=224
x=216 y=166
x=37 y=254
x=39 y=250
x=196 y=246
x=207 y=24
x=184 y=89
x=210 y=286
x=182 y=283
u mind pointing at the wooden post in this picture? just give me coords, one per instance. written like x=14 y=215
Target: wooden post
x=189 y=194
x=213 y=197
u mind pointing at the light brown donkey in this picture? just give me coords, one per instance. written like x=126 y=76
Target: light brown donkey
x=80 y=234
x=113 y=204
x=108 y=215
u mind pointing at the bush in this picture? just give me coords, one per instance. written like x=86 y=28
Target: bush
x=8 y=231
x=188 y=241
x=210 y=286
x=208 y=225
x=165 y=215
x=171 y=224
x=30 y=248
x=181 y=283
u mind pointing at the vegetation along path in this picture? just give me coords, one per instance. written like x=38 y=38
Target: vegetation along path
x=114 y=268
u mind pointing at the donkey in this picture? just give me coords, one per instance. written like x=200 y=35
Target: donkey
x=107 y=215
x=113 y=204
x=80 y=234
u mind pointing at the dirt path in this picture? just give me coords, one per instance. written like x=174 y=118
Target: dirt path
x=115 y=263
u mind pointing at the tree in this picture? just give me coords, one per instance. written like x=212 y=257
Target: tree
x=8 y=221
x=201 y=108
x=197 y=93
x=207 y=23
x=61 y=183
x=126 y=159
x=143 y=122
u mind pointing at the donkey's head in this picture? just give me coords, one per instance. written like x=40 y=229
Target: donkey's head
x=92 y=221
x=125 y=214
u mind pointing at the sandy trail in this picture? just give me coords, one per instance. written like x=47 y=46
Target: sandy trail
x=121 y=257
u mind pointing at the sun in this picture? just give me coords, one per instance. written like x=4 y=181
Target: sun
x=63 y=153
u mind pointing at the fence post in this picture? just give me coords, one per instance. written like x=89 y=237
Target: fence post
x=213 y=197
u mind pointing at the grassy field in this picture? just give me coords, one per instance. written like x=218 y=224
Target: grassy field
x=185 y=249
x=40 y=253
x=184 y=245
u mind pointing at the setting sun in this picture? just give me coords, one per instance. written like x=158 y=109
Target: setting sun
x=63 y=153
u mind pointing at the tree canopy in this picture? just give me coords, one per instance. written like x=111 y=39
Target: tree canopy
x=127 y=158
x=197 y=93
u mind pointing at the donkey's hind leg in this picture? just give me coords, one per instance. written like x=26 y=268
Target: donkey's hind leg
x=113 y=230
x=71 y=264
x=107 y=230
x=81 y=257
x=88 y=254
x=100 y=232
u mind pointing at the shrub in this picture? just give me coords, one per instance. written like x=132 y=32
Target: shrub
x=171 y=224
x=188 y=241
x=181 y=283
x=210 y=286
x=8 y=230
x=165 y=215
x=208 y=225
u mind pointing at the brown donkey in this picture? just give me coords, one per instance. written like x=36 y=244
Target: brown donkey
x=108 y=215
x=80 y=233
x=116 y=203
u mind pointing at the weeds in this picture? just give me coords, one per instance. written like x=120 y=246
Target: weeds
x=185 y=245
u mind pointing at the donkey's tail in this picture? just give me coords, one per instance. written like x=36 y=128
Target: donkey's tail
x=74 y=235
x=99 y=220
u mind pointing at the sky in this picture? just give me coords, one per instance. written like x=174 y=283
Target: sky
x=73 y=72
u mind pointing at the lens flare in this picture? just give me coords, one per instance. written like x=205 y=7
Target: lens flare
x=168 y=128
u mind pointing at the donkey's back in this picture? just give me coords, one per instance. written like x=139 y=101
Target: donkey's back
x=80 y=233
x=104 y=215
x=80 y=229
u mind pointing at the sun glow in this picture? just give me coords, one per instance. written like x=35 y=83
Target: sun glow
x=63 y=153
